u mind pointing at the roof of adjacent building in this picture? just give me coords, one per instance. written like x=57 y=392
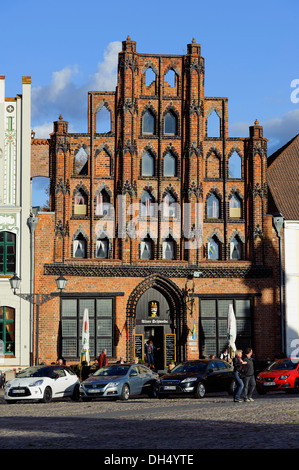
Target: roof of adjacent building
x=283 y=179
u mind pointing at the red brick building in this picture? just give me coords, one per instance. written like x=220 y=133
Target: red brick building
x=158 y=223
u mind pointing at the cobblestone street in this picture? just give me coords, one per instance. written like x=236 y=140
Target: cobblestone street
x=215 y=422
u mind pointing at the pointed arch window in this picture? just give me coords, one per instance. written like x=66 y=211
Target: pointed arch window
x=150 y=77
x=213 y=207
x=236 y=248
x=148 y=123
x=102 y=247
x=170 y=165
x=147 y=205
x=170 y=123
x=235 y=166
x=235 y=207
x=170 y=78
x=103 y=121
x=80 y=203
x=146 y=248
x=148 y=166
x=168 y=248
x=79 y=247
x=81 y=162
x=213 y=125
x=169 y=206
x=103 y=203
x=213 y=248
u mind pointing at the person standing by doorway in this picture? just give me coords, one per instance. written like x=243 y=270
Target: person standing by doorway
x=149 y=352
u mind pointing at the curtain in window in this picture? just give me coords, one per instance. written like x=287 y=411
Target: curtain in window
x=168 y=249
x=147 y=205
x=102 y=247
x=79 y=248
x=146 y=249
x=213 y=207
x=235 y=249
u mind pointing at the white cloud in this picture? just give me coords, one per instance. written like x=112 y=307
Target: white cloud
x=43 y=131
x=63 y=96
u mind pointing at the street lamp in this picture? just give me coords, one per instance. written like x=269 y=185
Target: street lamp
x=36 y=299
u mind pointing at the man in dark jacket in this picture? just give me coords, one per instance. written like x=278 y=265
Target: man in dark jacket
x=249 y=379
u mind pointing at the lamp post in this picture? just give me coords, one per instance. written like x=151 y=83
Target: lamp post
x=36 y=299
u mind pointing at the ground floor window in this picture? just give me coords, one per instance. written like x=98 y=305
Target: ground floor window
x=7 y=330
x=101 y=325
x=213 y=323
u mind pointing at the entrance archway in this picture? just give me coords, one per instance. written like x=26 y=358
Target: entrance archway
x=157 y=291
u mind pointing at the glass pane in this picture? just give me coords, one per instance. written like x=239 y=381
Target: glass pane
x=222 y=327
x=170 y=126
x=146 y=249
x=208 y=308
x=1 y=313
x=102 y=248
x=104 y=344
x=209 y=347
x=10 y=237
x=222 y=344
x=69 y=308
x=213 y=207
x=1 y=237
x=104 y=327
x=69 y=347
x=243 y=327
x=213 y=249
x=169 y=165
x=9 y=313
x=209 y=327
x=104 y=307
x=223 y=307
x=147 y=164
x=69 y=327
x=243 y=308
x=235 y=166
x=86 y=303
x=148 y=123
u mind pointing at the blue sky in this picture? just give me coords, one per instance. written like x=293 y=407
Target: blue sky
x=250 y=48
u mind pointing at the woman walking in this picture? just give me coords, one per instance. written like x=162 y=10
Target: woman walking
x=238 y=365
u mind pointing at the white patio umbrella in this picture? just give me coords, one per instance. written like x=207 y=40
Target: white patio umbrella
x=85 y=338
x=231 y=328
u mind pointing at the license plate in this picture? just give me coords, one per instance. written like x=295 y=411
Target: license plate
x=268 y=384
x=18 y=391
x=93 y=391
x=169 y=387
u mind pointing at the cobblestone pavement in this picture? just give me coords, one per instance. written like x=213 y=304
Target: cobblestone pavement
x=215 y=422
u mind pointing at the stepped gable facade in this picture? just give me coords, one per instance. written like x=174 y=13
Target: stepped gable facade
x=158 y=223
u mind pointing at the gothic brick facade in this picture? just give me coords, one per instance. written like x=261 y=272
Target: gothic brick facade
x=156 y=209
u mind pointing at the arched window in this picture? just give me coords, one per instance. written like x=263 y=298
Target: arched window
x=236 y=248
x=170 y=124
x=103 y=121
x=102 y=247
x=213 y=248
x=213 y=207
x=169 y=206
x=147 y=205
x=214 y=125
x=150 y=76
x=148 y=123
x=103 y=203
x=81 y=162
x=79 y=247
x=235 y=207
x=168 y=248
x=169 y=165
x=80 y=206
x=7 y=253
x=235 y=166
x=147 y=164
x=170 y=78
x=146 y=248
x=7 y=330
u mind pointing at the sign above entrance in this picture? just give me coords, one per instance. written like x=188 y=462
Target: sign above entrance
x=152 y=321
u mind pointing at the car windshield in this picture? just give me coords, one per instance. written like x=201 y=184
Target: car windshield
x=190 y=368
x=112 y=370
x=286 y=364
x=35 y=372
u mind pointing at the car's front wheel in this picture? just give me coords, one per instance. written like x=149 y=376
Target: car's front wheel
x=47 y=395
x=296 y=386
x=200 y=390
x=125 y=393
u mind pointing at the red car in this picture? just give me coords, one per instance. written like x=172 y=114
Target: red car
x=282 y=374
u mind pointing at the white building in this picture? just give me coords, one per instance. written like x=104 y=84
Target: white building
x=15 y=207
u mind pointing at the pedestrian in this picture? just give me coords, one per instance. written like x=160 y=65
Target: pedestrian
x=238 y=367
x=249 y=378
x=149 y=352
x=121 y=360
x=136 y=360
x=102 y=359
x=224 y=356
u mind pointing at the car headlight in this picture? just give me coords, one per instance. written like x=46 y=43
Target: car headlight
x=259 y=377
x=192 y=379
x=8 y=385
x=36 y=383
x=282 y=377
x=112 y=384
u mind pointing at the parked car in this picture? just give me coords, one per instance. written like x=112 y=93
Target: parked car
x=197 y=378
x=119 y=381
x=282 y=374
x=42 y=383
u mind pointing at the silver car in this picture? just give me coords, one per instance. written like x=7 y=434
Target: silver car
x=119 y=381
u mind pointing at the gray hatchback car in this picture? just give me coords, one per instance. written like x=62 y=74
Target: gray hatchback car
x=120 y=381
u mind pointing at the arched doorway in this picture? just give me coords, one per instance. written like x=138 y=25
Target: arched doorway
x=156 y=310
